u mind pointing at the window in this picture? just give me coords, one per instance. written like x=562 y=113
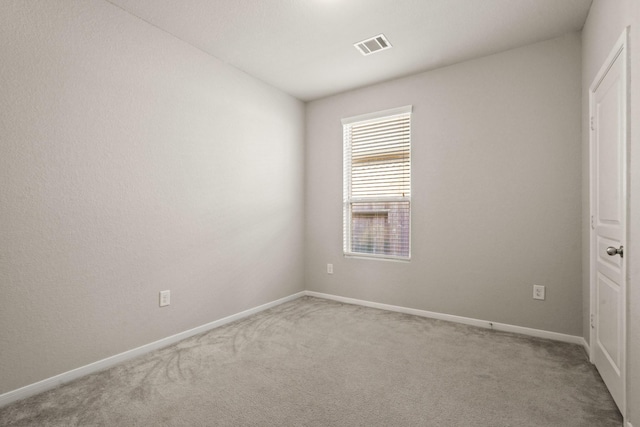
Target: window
x=377 y=184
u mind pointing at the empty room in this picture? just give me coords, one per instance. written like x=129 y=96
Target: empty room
x=319 y=213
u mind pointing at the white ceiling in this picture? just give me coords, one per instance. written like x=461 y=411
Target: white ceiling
x=305 y=47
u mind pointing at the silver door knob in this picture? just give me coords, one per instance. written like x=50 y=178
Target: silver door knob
x=615 y=251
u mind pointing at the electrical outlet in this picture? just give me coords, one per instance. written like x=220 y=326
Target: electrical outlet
x=538 y=292
x=165 y=298
x=330 y=268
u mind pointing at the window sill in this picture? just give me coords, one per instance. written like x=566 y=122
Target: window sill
x=377 y=257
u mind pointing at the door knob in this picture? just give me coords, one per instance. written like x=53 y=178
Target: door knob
x=615 y=251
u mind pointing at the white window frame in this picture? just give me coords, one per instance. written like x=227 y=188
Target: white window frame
x=347 y=199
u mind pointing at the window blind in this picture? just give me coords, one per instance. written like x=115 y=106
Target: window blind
x=377 y=184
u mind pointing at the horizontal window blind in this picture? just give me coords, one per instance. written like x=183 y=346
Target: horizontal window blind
x=377 y=185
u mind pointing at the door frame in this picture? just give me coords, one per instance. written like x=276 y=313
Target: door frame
x=620 y=49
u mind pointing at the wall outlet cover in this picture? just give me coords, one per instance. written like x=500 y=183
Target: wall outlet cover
x=538 y=292
x=165 y=298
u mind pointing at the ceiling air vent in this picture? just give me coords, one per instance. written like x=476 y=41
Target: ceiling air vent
x=374 y=44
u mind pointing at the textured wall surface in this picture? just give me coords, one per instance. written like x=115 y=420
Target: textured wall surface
x=605 y=23
x=131 y=162
x=496 y=190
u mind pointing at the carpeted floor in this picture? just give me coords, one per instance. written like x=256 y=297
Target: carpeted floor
x=312 y=362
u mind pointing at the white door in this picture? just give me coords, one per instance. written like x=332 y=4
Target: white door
x=608 y=99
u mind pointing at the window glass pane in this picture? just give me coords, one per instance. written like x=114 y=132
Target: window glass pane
x=380 y=228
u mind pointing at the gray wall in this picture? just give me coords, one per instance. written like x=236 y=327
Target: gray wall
x=605 y=23
x=496 y=190
x=131 y=163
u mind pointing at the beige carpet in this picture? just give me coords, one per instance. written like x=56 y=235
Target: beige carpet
x=312 y=362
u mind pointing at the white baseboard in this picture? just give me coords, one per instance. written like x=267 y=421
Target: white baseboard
x=587 y=348
x=65 y=377
x=574 y=339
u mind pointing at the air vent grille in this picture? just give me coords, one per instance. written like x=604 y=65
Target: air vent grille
x=372 y=45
